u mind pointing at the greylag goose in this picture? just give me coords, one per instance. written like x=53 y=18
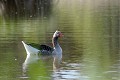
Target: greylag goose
x=44 y=49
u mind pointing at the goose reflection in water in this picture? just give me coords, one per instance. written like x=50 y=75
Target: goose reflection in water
x=57 y=60
x=30 y=59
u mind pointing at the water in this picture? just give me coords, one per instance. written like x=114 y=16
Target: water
x=90 y=43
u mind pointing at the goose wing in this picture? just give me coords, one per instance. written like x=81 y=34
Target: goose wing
x=45 y=49
x=37 y=46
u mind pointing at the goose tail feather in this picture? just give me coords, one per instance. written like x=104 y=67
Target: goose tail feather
x=29 y=49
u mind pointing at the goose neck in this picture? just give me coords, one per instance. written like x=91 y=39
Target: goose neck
x=55 y=41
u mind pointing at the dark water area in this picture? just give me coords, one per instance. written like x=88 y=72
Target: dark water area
x=18 y=9
x=90 y=43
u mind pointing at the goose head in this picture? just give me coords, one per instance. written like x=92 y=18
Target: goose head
x=56 y=35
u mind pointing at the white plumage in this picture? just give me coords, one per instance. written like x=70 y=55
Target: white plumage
x=30 y=50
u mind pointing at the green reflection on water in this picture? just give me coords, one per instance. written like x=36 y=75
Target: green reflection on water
x=39 y=71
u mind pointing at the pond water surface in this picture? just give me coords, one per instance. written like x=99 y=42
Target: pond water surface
x=90 y=43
